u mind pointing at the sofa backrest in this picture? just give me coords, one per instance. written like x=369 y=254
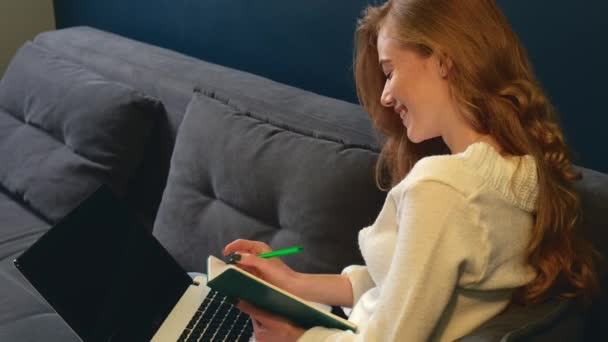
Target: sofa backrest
x=172 y=77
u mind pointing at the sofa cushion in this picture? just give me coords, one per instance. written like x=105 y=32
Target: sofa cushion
x=558 y=319
x=22 y=306
x=17 y=224
x=64 y=130
x=171 y=76
x=25 y=315
x=593 y=191
x=236 y=173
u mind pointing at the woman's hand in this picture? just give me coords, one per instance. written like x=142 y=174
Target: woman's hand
x=268 y=327
x=272 y=270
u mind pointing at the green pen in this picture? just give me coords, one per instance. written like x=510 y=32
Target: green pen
x=281 y=252
x=234 y=257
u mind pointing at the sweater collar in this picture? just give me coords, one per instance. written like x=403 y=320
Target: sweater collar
x=514 y=177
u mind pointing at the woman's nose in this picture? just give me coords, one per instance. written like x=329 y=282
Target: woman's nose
x=386 y=99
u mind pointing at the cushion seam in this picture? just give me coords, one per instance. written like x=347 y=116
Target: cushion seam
x=24 y=235
x=168 y=75
x=28 y=316
x=51 y=136
x=4 y=109
x=19 y=200
x=308 y=133
x=211 y=94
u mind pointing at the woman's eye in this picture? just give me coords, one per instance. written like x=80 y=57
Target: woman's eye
x=389 y=75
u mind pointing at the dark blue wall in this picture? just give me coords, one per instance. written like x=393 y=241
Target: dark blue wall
x=308 y=44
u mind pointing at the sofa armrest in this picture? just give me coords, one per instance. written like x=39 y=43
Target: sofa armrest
x=555 y=320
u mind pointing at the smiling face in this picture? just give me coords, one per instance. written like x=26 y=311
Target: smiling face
x=416 y=87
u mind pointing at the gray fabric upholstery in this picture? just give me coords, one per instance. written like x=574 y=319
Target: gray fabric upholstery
x=171 y=77
x=24 y=316
x=65 y=130
x=555 y=320
x=36 y=328
x=593 y=190
x=19 y=227
x=236 y=173
x=142 y=65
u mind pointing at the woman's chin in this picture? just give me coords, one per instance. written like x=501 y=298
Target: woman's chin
x=413 y=137
x=417 y=138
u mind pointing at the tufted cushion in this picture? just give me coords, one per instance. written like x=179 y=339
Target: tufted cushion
x=236 y=173
x=64 y=130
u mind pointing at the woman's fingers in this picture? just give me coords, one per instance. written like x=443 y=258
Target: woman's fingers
x=250 y=260
x=261 y=316
x=252 y=312
x=251 y=270
x=252 y=264
x=242 y=245
x=237 y=245
x=269 y=327
x=248 y=308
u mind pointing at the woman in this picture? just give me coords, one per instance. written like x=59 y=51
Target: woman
x=481 y=210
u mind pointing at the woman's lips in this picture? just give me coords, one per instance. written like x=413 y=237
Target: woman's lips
x=401 y=110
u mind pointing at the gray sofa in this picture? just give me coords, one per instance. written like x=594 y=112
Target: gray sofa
x=203 y=154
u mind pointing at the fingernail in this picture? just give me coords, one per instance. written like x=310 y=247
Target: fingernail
x=232 y=258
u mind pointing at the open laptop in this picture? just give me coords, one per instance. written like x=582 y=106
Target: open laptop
x=111 y=280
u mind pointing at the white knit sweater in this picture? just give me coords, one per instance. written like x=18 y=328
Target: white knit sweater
x=446 y=250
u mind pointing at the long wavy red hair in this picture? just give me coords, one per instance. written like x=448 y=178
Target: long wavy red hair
x=492 y=81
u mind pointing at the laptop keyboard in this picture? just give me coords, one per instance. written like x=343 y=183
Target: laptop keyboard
x=217 y=320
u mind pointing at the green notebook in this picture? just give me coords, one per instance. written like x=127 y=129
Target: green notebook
x=232 y=281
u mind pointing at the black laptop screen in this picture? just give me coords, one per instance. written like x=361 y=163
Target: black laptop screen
x=105 y=275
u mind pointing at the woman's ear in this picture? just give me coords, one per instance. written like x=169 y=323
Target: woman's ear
x=444 y=65
x=442 y=70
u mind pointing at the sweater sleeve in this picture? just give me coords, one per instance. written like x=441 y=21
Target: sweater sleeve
x=433 y=241
x=360 y=280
